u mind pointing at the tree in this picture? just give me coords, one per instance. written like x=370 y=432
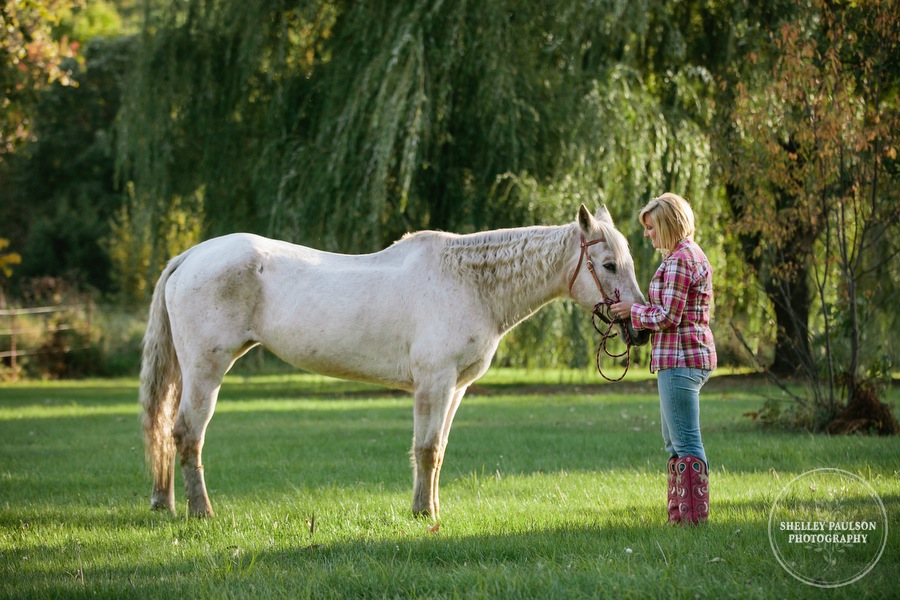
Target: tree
x=344 y=125
x=57 y=193
x=815 y=184
x=57 y=184
x=31 y=58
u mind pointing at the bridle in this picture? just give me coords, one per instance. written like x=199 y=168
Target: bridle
x=605 y=301
x=590 y=267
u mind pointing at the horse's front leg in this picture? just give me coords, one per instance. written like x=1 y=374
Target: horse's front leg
x=433 y=406
x=445 y=434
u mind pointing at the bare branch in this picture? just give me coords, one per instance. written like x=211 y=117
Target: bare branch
x=772 y=377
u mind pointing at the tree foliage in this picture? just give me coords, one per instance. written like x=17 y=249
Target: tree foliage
x=347 y=125
x=31 y=58
x=815 y=161
x=8 y=259
x=57 y=193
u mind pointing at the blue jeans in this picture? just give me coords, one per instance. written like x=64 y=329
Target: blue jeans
x=679 y=407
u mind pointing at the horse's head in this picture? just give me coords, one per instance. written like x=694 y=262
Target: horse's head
x=602 y=268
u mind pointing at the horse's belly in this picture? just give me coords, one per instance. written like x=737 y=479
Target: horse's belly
x=343 y=371
x=346 y=361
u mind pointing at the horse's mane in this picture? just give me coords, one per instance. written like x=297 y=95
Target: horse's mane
x=506 y=258
x=521 y=253
x=512 y=263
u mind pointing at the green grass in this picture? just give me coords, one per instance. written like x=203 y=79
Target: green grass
x=543 y=494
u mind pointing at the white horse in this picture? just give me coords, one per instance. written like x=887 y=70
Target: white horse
x=424 y=315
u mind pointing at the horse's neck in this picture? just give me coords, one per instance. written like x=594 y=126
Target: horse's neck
x=515 y=271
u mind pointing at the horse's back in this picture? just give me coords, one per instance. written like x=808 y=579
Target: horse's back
x=233 y=250
x=269 y=263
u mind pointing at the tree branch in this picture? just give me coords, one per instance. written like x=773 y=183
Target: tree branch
x=772 y=377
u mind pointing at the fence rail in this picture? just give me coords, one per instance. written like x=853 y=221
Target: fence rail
x=40 y=325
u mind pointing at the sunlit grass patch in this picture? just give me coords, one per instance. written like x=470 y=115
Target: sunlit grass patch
x=550 y=491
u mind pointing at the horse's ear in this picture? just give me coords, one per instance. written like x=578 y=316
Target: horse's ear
x=603 y=215
x=585 y=219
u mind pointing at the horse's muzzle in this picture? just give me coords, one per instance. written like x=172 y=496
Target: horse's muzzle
x=637 y=337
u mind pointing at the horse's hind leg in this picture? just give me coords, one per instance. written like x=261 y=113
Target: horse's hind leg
x=198 y=401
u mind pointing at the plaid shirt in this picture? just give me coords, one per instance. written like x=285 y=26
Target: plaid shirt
x=679 y=311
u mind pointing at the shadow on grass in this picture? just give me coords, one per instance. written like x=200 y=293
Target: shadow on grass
x=57 y=394
x=607 y=556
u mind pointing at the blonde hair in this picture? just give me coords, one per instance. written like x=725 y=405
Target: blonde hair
x=673 y=219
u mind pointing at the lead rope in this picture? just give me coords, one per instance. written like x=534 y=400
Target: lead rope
x=607 y=335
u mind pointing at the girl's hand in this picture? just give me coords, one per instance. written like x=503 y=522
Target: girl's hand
x=622 y=310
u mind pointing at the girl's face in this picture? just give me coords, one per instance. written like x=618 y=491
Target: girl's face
x=650 y=232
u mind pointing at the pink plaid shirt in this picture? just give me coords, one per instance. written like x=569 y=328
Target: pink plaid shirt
x=679 y=311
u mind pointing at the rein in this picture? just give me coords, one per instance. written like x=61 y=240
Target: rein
x=606 y=300
x=609 y=334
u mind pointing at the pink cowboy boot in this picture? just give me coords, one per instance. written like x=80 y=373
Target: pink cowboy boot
x=692 y=488
x=674 y=513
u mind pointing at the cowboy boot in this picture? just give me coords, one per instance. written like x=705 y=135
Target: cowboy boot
x=674 y=513
x=692 y=488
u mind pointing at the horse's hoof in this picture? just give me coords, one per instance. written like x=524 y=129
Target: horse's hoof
x=163 y=500
x=157 y=505
x=426 y=513
x=202 y=511
x=421 y=513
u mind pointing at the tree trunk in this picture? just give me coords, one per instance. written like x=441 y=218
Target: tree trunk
x=788 y=292
x=791 y=302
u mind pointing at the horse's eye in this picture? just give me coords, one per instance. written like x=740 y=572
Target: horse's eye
x=611 y=267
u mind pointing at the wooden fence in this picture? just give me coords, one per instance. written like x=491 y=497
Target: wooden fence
x=22 y=326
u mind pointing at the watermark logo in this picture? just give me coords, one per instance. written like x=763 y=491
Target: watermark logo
x=828 y=528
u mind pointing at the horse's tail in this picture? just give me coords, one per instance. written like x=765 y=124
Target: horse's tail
x=160 y=392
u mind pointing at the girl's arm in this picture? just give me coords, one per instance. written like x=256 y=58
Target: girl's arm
x=676 y=281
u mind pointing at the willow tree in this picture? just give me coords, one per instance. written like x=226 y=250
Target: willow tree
x=344 y=125
x=350 y=123
x=218 y=90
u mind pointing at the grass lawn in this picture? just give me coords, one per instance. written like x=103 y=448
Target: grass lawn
x=552 y=487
